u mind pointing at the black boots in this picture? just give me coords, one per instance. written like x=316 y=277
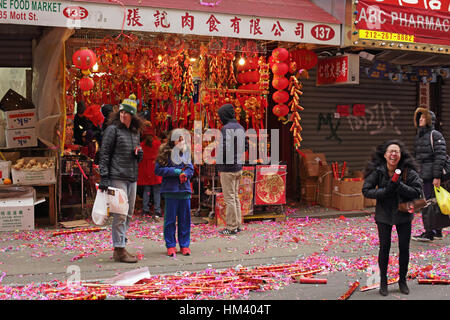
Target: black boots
x=403 y=287
x=383 y=286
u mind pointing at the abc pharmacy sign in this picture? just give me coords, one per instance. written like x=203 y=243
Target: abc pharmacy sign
x=104 y=16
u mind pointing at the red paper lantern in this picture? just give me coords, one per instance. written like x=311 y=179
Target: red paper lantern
x=280 y=110
x=304 y=58
x=252 y=76
x=280 y=54
x=280 y=83
x=280 y=69
x=84 y=59
x=251 y=63
x=280 y=96
x=86 y=84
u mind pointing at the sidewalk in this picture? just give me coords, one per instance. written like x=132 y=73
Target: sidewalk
x=338 y=242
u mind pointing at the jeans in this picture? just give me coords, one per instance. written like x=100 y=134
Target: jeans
x=121 y=223
x=230 y=189
x=156 y=189
x=404 y=237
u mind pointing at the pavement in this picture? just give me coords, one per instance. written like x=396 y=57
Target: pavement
x=343 y=243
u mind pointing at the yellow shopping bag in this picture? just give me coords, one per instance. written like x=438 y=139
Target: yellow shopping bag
x=443 y=199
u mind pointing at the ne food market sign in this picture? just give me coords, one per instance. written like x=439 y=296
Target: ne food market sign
x=115 y=17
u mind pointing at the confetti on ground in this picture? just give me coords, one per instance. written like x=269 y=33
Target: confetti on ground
x=337 y=240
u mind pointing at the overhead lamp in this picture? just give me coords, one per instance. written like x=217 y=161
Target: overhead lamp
x=241 y=61
x=95 y=67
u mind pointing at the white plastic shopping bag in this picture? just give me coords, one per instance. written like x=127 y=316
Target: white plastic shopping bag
x=117 y=201
x=100 y=209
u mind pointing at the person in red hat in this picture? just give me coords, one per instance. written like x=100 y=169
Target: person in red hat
x=147 y=178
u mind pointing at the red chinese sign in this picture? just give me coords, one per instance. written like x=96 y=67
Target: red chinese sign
x=332 y=70
x=427 y=26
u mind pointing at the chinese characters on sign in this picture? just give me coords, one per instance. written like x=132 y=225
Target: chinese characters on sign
x=342 y=69
x=383 y=21
x=332 y=70
x=149 y=19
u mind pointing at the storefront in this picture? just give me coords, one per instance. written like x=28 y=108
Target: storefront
x=401 y=52
x=181 y=62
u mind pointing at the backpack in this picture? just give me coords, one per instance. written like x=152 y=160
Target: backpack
x=446 y=168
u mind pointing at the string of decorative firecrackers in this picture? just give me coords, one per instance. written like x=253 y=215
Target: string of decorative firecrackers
x=295 y=91
x=350 y=291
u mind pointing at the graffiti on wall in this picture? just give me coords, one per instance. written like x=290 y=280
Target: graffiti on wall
x=330 y=122
x=374 y=120
x=379 y=119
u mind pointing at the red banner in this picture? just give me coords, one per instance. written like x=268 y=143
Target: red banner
x=431 y=5
x=425 y=25
x=332 y=70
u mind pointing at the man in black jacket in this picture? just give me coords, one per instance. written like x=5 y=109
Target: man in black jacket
x=229 y=165
x=430 y=153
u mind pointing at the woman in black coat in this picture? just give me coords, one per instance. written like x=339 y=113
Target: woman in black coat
x=380 y=185
x=430 y=151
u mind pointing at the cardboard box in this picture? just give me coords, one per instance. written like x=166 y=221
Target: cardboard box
x=19 y=112
x=19 y=119
x=325 y=180
x=21 y=138
x=347 y=195
x=29 y=177
x=5 y=170
x=309 y=190
x=309 y=166
x=17 y=213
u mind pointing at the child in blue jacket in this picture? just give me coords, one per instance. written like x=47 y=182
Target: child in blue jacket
x=176 y=190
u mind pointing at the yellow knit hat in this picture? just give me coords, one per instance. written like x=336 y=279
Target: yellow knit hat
x=129 y=105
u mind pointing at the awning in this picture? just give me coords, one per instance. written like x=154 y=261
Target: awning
x=297 y=21
x=303 y=10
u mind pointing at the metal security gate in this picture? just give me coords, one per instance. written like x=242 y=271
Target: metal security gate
x=388 y=114
x=445 y=111
x=16 y=45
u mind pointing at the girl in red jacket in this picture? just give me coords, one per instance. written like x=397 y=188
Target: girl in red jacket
x=146 y=176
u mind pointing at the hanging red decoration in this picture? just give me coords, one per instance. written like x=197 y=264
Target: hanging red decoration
x=84 y=59
x=86 y=84
x=280 y=54
x=280 y=83
x=280 y=110
x=304 y=58
x=280 y=69
x=280 y=96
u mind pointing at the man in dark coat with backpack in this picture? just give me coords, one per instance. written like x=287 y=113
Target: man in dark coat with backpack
x=430 y=153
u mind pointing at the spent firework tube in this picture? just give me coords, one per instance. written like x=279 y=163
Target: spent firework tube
x=396 y=175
